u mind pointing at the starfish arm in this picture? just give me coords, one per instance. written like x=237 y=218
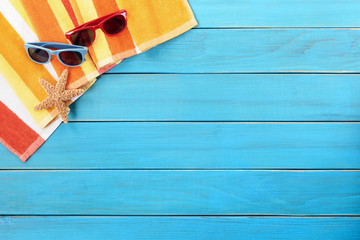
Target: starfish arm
x=68 y=94
x=60 y=86
x=61 y=108
x=49 y=89
x=47 y=103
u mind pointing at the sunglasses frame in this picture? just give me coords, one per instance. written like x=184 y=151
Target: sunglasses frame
x=95 y=24
x=62 y=47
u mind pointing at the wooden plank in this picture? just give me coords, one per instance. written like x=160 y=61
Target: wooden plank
x=247 y=50
x=279 y=13
x=143 y=192
x=221 y=97
x=211 y=228
x=196 y=145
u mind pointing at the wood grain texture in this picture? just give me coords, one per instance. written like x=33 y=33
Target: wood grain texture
x=309 y=43
x=246 y=50
x=179 y=192
x=279 y=13
x=137 y=145
x=221 y=97
x=178 y=228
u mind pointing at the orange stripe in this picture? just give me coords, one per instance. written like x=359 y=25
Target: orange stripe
x=44 y=21
x=48 y=30
x=120 y=44
x=12 y=49
x=149 y=20
x=16 y=135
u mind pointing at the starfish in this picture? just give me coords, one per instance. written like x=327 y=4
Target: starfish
x=58 y=95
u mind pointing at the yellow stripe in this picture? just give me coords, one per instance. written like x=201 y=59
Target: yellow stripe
x=150 y=22
x=100 y=45
x=66 y=25
x=61 y=15
x=20 y=9
x=77 y=12
x=21 y=90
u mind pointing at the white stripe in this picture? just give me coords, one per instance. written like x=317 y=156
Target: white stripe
x=137 y=49
x=9 y=98
x=22 y=28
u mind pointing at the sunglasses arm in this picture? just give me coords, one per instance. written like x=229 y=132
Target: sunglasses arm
x=96 y=22
x=104 y=18
x=52 y=45
x=62 y=46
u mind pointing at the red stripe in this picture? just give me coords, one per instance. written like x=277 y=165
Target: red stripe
x=16 y=135
x=70 y=11
x=106 y=68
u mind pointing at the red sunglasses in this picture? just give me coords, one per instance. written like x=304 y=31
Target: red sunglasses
x=111 y=24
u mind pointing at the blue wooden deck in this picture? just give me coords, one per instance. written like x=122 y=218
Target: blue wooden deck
x=246 y=127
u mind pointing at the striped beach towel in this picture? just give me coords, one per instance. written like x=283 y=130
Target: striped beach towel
x=149 y=23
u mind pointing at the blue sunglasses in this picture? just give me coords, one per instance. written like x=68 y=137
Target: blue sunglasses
x=69 y=55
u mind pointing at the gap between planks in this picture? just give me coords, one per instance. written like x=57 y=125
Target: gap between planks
x=186 y=216
x=275 y=28
x=215 y=122
x=238 y=73
x=255 y=216
x=183 y=170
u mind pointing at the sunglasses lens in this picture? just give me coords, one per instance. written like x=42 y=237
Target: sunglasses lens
x=38 y=55
x=71 y=58
x=83 y=37
x=114 y=25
